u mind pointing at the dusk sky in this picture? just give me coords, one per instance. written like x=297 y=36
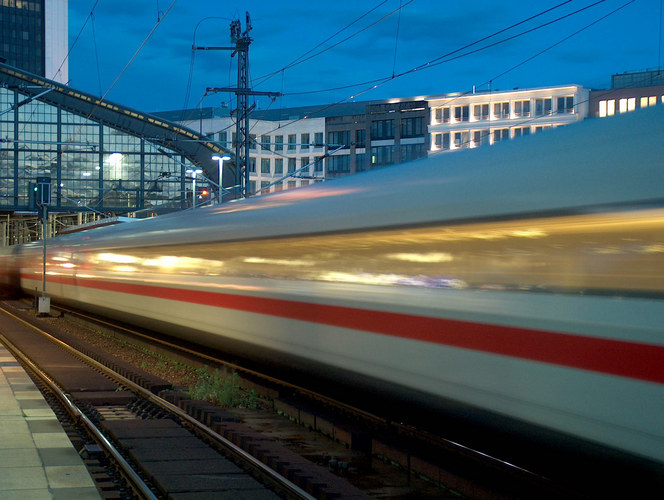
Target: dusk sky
x=350 y=46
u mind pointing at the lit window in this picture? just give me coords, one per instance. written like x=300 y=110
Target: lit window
x=631 y=104
x=611 y=107
x=652 y=100
x=602 y=109
x=622 y=105
x=644 y=102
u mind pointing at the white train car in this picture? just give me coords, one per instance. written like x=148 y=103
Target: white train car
x=525 y=279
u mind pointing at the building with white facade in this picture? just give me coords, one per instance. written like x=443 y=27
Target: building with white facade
x=283 y=154
x=290 y=150
x=469 y=120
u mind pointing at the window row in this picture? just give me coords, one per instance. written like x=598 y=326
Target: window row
x=265 y=187
x=504 y=110
x=275 y=166
x=608 y=107
x=276 y=142
x=474 y=138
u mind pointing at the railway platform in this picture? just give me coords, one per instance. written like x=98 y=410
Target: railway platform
x=37 y=459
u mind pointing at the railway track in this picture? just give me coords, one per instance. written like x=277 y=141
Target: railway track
x=448 y=467
x=150 y=447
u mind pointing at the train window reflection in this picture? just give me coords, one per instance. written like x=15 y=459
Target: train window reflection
x=619 y=253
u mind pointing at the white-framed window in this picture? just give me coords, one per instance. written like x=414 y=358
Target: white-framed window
x=522 y=109
x=461 y=140
x=565 y=104
x=481 y=137
x=501 y=110
x=541 y=128
x=500 y=134
x=520 y=131
x=481 y=111
x=442 y=141
x=543 y=106
x=461 y=113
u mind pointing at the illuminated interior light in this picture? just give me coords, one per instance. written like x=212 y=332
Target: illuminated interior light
x=656 y=248
x=125 y=269
x=115 y=159
x=163 y=261
x=117 y=258
x=529 y=233
x=431 y=257
x=278 y=262
x=607 y=251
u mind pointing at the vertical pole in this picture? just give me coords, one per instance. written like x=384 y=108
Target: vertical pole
x=242 y=41
x=193 y=189
x=44 y=208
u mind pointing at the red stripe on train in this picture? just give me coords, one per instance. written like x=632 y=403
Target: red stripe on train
x=615 y=357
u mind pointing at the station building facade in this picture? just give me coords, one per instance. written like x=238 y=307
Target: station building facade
x=469 y=120
x=101 y=158
x=283 y=154
x=334 y=141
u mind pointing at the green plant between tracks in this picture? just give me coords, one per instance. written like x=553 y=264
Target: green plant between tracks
x=222 y=389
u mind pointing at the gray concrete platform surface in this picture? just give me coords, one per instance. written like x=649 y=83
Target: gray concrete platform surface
x=37 y=459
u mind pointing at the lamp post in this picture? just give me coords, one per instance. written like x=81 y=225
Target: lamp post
x=193 y=185
x=221 y=160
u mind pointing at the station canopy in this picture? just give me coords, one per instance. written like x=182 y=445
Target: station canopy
x=99 y=155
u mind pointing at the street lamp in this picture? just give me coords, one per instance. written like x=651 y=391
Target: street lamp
x=193 y=184
x=221 y=160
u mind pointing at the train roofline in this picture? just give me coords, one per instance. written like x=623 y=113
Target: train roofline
x=573 y=169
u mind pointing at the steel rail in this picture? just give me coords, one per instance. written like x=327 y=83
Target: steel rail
x=153 y=398
x=449 y=444
x=132 y=476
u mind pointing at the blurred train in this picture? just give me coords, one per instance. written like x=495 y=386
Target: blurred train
x=524 y=280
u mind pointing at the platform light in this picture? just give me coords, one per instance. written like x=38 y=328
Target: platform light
x=221 y=160
x=193 y=184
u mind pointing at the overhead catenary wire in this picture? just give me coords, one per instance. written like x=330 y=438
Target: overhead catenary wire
x=532 y=119
x=396 y=41
x=439 y=60
x=303 y=57
x=94 y=39
x=97 y=104
x=442 y=59
x=71 y=47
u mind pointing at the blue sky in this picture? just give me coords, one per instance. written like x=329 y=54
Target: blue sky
x=383 y=41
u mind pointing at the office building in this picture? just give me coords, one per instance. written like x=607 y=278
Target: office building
x=33 y=37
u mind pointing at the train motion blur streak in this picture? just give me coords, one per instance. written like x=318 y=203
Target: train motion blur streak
x=525 y=280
